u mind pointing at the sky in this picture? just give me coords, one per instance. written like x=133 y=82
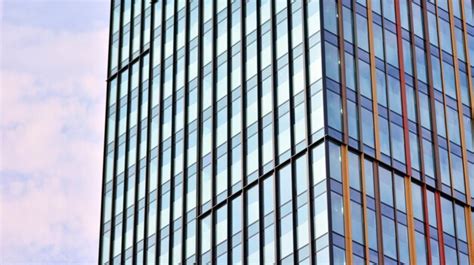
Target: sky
x=53 y=61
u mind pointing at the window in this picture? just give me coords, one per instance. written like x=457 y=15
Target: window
x=284 y=184
x=221 y=175
x=334 y=110
x=206 y=231
x=286 y=236
x=337 y=213
x=353 y=119
x=385 y=185
x=284 y=133
x=252 y=154
x=417 y=196
x=335 y=161
x=453 y=125
x=400 y=193
x=330 y=16
x=367 y=127
x=319 y=164
x=394 y=95
x=389 y=10
x=252 y=205
x=354 y=170
x=369 y=178
x=407 y=55
x=350 y=71
x=357 y=223
x=372 y=228
x=389 y=240
x=221 y=225
x=417 y=20
x=348 y=24
x=398 y=142
x=403 y=246
x=332 y=61
x=301 y=171
x=236 y=215
x=268 y=202
x=365 y=79
x=421 y=64
x=381 y=87
x=362 y=37
x=391 y=44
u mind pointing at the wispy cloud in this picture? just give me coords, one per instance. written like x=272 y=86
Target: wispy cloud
x=52 y=112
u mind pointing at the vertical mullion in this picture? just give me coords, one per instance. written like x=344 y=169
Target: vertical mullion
x=378 y=208
x=116 y=138
x=261 y=222
x=160 y=131
x=173 y=107
x=149 y=131
x=105 y=151
x=459 y=105
x=199 y=130
x=364 y=207
x=346 y=203
x=406 y=134
x=410 y=221
x=310 y=157
x=376 y=128
x=243 y=120
x=274 y=132
x=214 y=110
x=184 y=218
x=344 y=148
x=426 y=225
x=129 y=69
x=229 y=132
x=373 y=79
x=139 y=115
x=431 y=96
x=403 y=90
x=467 y=214
x=440 y=226
x=289 y=22
x=461 y=121
x=340 y=22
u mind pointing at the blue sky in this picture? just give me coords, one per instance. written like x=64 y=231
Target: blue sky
x=53 y=59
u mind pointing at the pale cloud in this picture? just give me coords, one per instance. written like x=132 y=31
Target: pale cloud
x=51 y=121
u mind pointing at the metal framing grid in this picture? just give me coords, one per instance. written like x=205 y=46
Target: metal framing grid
x=145 y=246
x=401 y=33
x=139 y=212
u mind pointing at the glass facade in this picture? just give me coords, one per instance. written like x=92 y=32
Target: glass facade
x=275 y=131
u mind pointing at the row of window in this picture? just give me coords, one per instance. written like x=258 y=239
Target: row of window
x=389 y=121
x=204 y=122
x=373 y=111
x=380 y=197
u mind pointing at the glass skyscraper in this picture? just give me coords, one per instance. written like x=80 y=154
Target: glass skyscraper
x=278 y=131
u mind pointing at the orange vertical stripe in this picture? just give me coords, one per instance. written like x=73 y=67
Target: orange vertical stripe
x=410 y=222
x=373 y=80
x=364 y=208
x=460 y=115
x=459 y=101
x=403 y=91
x=347 y=204
x=471 y=91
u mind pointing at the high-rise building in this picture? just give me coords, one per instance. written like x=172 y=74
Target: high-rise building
x=278 y=131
